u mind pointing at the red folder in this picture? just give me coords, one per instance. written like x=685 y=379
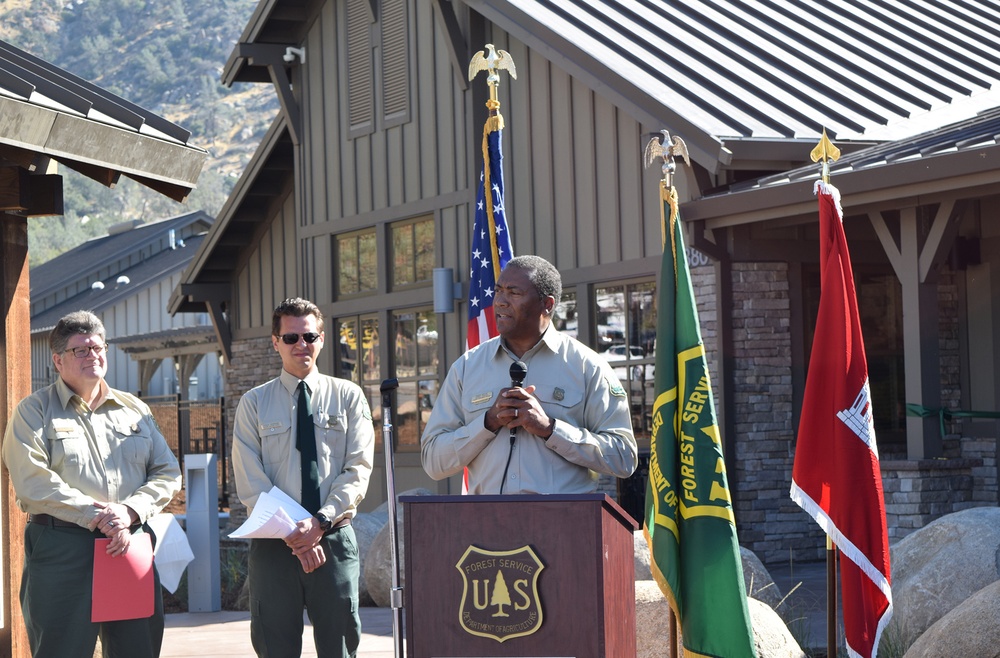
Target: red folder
x=123 y=585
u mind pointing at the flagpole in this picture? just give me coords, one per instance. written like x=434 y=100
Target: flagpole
x=826 y=151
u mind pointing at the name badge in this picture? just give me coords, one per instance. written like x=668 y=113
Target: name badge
x=482 y=397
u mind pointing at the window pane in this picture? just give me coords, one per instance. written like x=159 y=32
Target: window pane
x=407 y=420
x=402 y=254
x=565 y=317
x=369 y=350
x=610 y=317
x=347 y=270
x=424 y=243
x=427 y=343
x=367 y=262
x=642 y=317
x=406 y=344
x=348 y=345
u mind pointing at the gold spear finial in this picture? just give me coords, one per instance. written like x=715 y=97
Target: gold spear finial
x=825 y=151
x=492 y=63
x=667 y=149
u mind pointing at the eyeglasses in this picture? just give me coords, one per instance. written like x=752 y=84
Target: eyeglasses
x=84 y=352
x=292 y=339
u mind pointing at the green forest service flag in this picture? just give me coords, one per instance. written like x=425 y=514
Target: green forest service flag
x=689 y=522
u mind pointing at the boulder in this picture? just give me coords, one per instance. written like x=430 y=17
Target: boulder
x=756 y=578
x=969 y=629
x=366 y=527
x=376 y=575
x=939 y=566
x=771 y=636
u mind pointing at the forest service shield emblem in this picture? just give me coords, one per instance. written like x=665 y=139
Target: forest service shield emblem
x=500 y=592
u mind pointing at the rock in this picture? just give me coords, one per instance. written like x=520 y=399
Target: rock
x=757 y=580
x=969 y=629
x=939 y=566
x=376 y=576
x=366 y=527
x=652 y=632
x=771 y=636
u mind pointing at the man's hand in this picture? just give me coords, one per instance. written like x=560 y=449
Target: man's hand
x=113 y=517
x=312 y=559
x=517 y=407
x=305 y=536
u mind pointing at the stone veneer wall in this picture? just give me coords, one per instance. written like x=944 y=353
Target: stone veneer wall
x=254 y=362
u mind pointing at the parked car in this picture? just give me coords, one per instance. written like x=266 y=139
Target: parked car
x=640 y=373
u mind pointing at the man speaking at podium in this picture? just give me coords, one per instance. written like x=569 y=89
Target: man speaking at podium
x=567 y=417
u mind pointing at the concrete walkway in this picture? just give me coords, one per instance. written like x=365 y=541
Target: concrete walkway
x=226 y=634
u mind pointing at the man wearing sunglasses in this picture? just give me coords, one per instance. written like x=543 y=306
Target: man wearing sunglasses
x=312 y=436
x=85 y=460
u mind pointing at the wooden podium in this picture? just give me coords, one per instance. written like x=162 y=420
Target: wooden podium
x=538 y=575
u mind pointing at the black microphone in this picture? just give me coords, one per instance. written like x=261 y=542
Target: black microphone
x=518 y=371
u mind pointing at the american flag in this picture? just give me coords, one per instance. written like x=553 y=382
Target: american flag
x=490 y=239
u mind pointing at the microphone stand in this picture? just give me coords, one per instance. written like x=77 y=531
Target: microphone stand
x=395 y=592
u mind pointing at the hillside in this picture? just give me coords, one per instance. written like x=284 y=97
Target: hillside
x=166 y=56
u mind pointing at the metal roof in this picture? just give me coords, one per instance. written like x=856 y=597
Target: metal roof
x=48 y=111
x=748 y=73
x=961 y=159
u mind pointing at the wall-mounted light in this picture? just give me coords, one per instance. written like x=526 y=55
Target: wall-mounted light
x=446 y=290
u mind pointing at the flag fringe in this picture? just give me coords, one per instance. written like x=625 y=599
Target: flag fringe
x=830 y=190
x=855 y=555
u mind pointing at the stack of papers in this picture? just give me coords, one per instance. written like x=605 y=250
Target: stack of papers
x=273 y=517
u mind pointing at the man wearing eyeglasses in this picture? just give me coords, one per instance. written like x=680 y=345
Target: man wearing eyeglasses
x=312 y=436
x=85 y=460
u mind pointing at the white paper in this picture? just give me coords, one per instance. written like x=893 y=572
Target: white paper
x=172 y=552
x=273 y=517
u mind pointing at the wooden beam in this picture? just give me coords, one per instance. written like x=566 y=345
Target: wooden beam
x=14 y=190
x=458 y=49
x=15 y=384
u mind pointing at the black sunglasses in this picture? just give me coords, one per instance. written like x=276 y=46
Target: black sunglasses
x=291 y=339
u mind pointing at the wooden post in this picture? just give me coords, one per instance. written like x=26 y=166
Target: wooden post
x=15 y=384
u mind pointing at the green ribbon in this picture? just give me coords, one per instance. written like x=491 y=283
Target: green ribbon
x=947 y=414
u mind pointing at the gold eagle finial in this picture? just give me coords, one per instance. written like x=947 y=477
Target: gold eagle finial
x=668 y=149
x=496 y=59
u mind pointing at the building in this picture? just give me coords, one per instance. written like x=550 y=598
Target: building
x=126 y=278
x=366 y=181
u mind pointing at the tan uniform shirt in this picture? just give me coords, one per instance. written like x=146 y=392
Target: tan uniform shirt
x=64 y=456
x=593 y=430
x=264 y=452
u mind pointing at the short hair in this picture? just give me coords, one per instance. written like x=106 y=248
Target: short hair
x=83 y=323
x=295 y=307
x=542 y=274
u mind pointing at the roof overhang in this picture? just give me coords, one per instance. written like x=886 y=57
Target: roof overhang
x=962 y=174
x=281 y=22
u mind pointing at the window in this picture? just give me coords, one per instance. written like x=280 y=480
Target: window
x=357 y=263
x=386 y=86
x=880 y=306
x=357 y=360
x=412 y=252
x=416 y=368
x=626 y=337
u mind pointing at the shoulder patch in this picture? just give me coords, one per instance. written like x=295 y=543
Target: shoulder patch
x=616 y=388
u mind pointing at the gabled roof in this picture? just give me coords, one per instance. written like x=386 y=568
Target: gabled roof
x=267 y=176
x=126 y=243
x=144 y=273
x=46 y=112
x=961 y=159
x=759 y=78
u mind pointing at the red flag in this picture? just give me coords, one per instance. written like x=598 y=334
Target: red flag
x=836 y=476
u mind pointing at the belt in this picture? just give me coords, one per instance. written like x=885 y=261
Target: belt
x=45 y=519
x=338 y=525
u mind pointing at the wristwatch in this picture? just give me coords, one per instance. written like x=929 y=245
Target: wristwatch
x=324 y=521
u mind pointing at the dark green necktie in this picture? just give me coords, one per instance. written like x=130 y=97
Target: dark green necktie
x=305 y=441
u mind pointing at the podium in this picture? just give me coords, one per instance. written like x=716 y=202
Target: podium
x=518 y=575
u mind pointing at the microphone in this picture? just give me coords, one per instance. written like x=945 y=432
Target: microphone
x=518 y=371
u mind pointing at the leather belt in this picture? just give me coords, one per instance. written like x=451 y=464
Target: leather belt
x=51 y=521
x=338 y=525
